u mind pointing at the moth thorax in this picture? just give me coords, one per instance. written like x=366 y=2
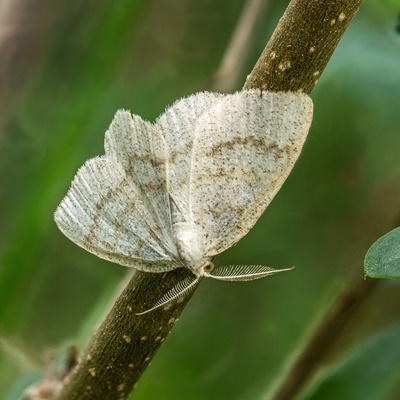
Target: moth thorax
x=190 y=246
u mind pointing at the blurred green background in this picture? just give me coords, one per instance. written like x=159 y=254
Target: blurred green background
x=66 y=67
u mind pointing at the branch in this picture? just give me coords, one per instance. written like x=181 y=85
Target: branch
x=125 y=343
x=232 y=68
x=381 y=206
x=323 y=337
x=302 y=44
x=22 y=43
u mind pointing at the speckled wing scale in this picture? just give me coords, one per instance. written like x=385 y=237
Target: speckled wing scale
x=177 y=125
x=246 y=145
x=109 y=209
x=179 y=192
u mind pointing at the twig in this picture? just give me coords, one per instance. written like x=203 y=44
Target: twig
x=382 y=206
x=23 y=36
x=302 y=44
x=344 y=306
x=124 y=345
x=235 y=59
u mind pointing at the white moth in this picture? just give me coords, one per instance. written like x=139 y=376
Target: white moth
x=180 y=191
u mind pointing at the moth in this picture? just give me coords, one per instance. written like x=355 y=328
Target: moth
x=176 y=193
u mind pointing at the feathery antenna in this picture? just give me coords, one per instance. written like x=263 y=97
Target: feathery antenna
x=243 y=272
x=180 y=290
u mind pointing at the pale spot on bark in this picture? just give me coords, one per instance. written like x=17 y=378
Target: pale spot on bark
x=283 y=66
x=92 y=371
x=342 y=16
x=127 y=338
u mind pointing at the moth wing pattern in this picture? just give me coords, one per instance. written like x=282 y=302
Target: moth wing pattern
x=178 y=125
x=107 y=213
x=244 y=148
x=140 y=149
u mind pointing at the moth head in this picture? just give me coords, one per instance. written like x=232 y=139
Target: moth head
x=208 y=268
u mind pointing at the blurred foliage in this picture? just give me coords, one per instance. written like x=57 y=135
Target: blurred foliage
x=383 y=258
x=359 y=378
x=67 y=67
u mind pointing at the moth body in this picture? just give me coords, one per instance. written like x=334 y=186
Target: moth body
x=191 y=248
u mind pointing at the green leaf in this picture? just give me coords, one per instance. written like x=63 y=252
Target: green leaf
x=372 y=372
x=383 y=258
